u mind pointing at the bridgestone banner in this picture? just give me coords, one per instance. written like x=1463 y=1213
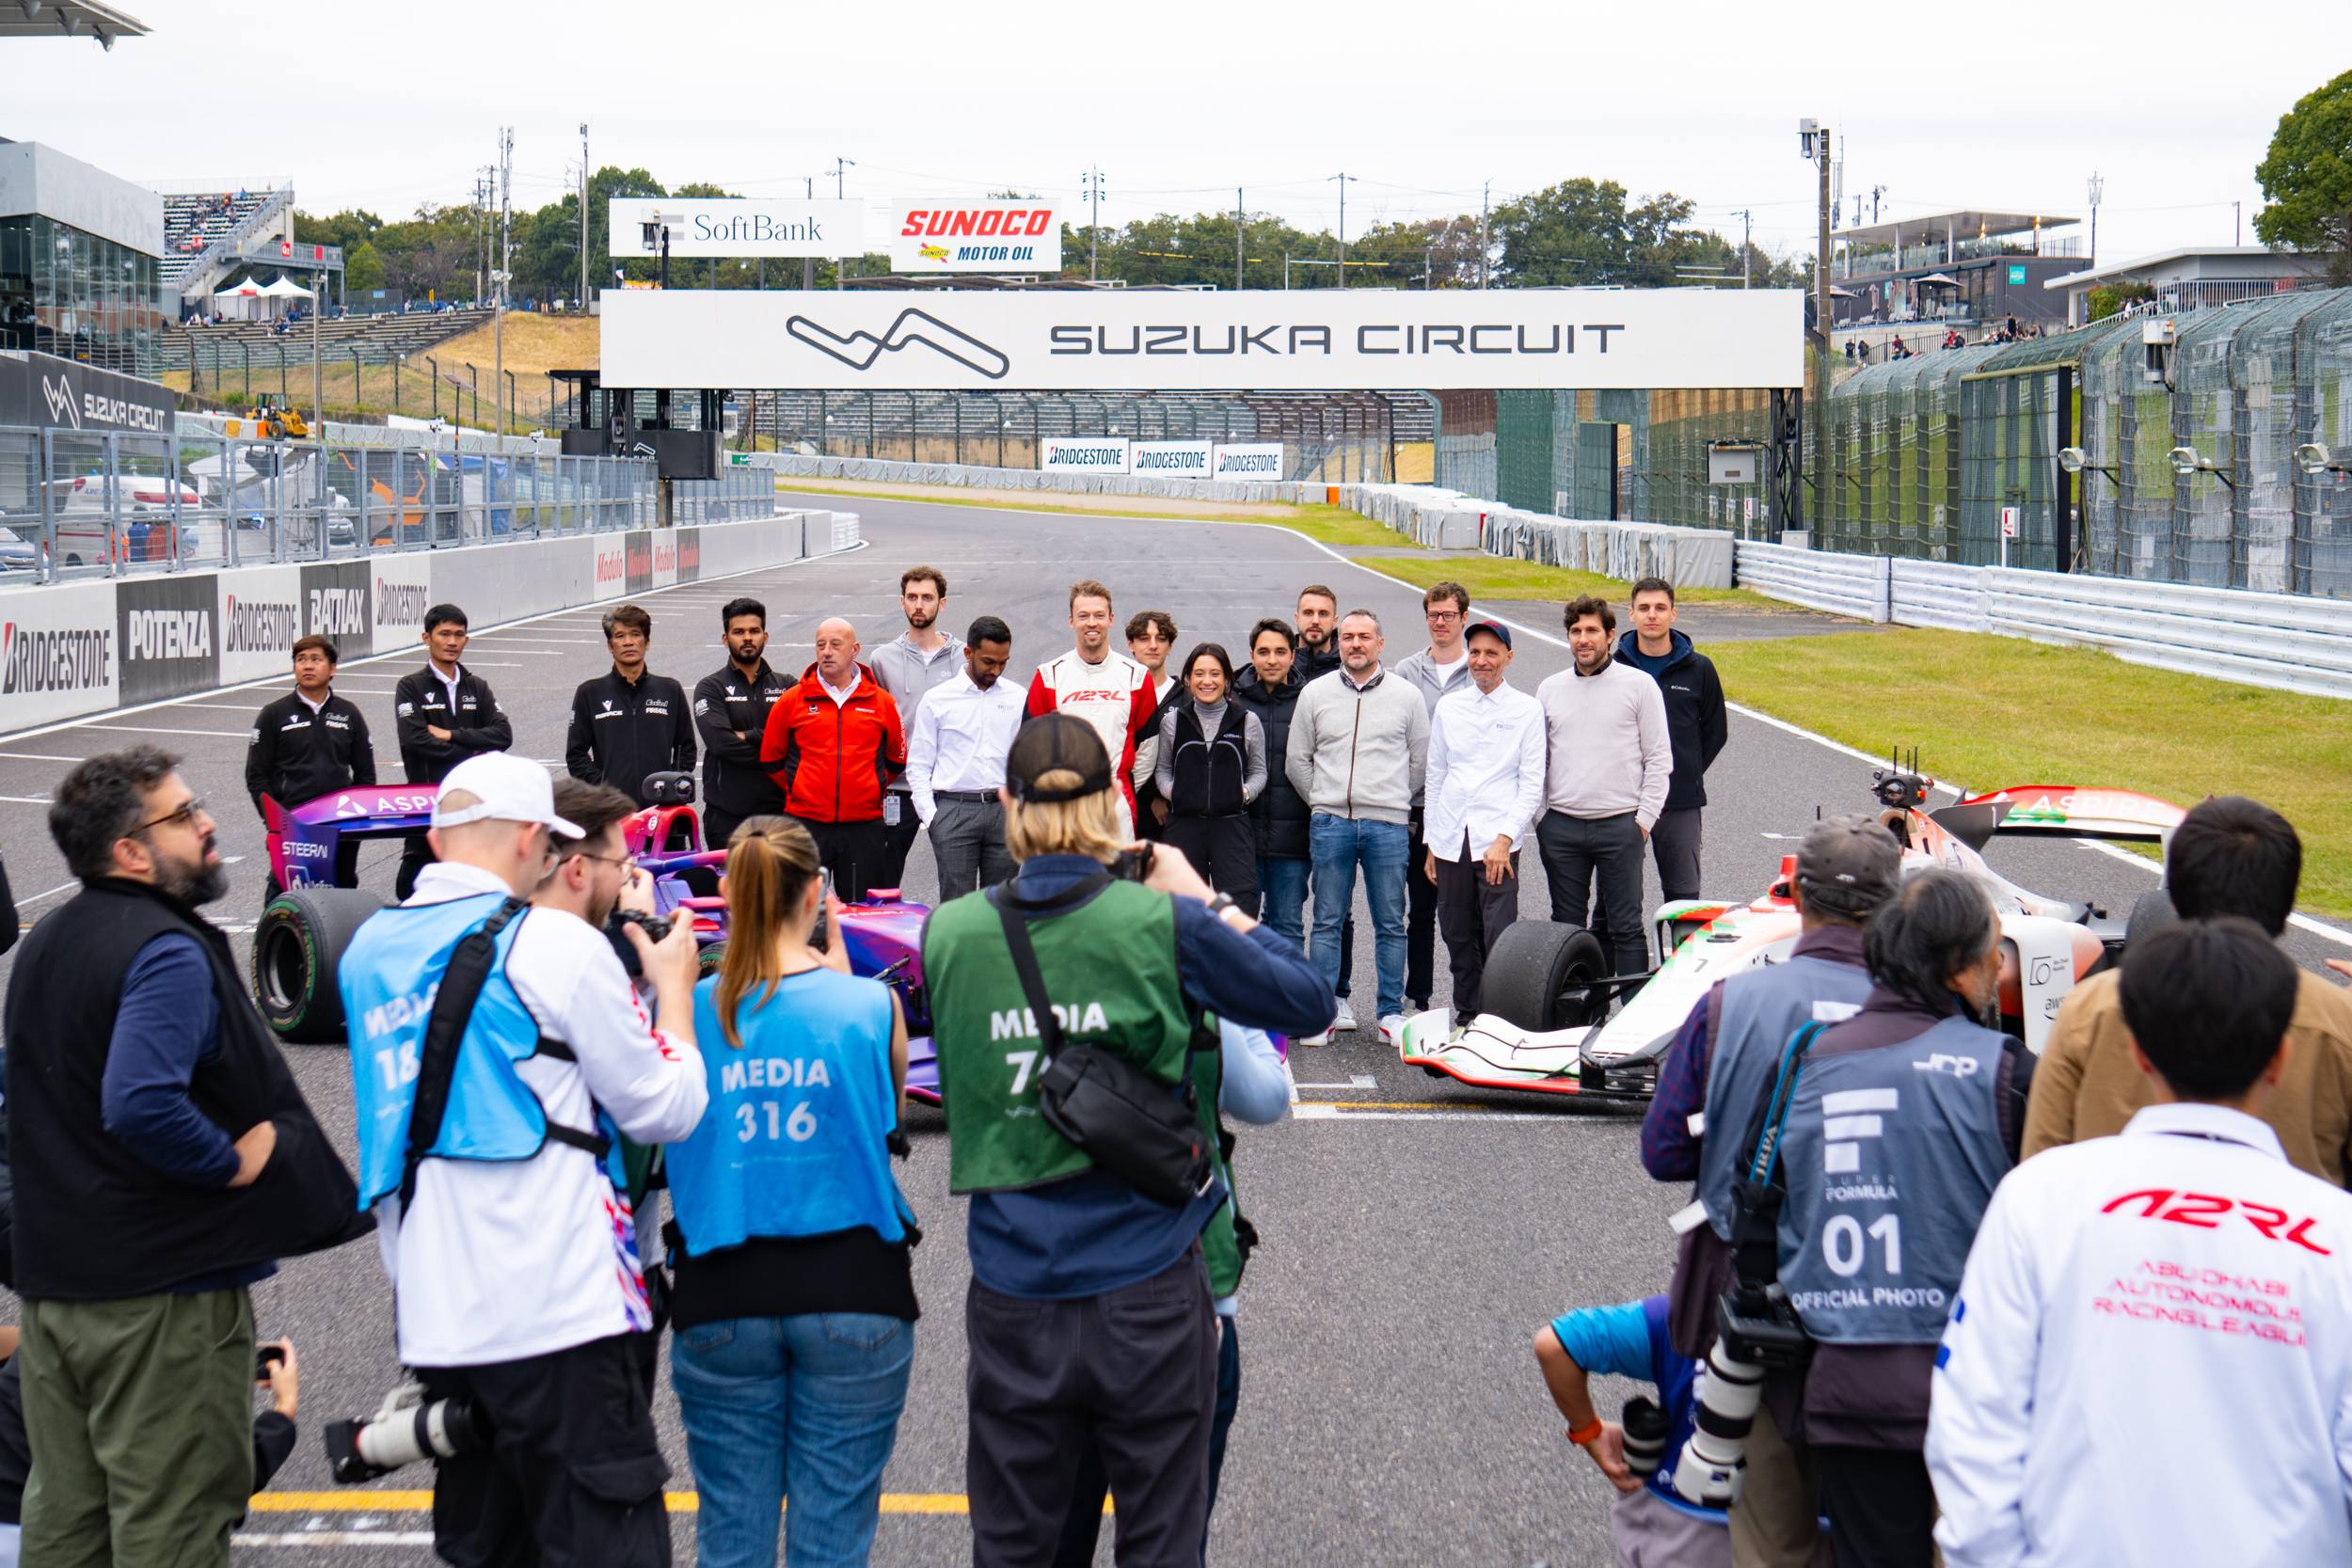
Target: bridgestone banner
x=1254 y=460
x=1172 y=459
x=1086 y=455
x=1134 y=339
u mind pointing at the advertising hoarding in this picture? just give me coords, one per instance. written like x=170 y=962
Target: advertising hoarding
x=403 y=591
x=1254 y=460
x=164 y=626
x=1267 y=340
x=261 y=616
x=933 y=234
x=1089 y=454
x=58 y=653
x=1172 y=459
x=737 y=226
x=336 y=604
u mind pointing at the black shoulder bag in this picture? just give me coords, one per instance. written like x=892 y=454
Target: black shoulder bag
x=1754 y=1318
x=1142 y=1130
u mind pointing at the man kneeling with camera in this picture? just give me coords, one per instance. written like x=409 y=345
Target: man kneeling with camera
x=1064 y=1006
x=498 y=1051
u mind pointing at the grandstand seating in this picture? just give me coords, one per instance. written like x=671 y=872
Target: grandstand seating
x=377 y=339
x=200 y=231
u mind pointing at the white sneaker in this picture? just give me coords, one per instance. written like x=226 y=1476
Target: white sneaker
x=1393 y=1030
x=1344 y=1021
x=1324 y=1039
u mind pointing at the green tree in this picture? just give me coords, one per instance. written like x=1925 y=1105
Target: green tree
x=2307 y=179
x=363 y=267
x=1585 y=231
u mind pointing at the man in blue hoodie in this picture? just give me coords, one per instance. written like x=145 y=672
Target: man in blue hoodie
x=1695 y=720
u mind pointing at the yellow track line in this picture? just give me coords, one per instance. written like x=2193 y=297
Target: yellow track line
x=421 y=1502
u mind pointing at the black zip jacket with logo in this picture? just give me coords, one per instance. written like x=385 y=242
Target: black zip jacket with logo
x=294 y=755
x=622 y=732
x=726 y=705
x=1696 y=721
x=420 y=701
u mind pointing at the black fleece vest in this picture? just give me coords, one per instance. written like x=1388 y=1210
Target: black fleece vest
x=1210 y=769
x=94 y=1222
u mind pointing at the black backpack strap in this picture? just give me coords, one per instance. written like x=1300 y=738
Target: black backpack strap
x=1763 y=1182
x=1024 y=964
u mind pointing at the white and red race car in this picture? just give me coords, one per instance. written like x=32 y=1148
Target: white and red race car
x=1548 y=989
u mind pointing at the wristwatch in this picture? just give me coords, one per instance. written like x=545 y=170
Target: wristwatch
x=1218 y=905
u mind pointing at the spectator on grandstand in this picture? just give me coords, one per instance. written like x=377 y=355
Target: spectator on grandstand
x=442 y=714
x=1107 y=690
x=1437 y=671
x=1150 y=637
x=1269 y=689
x=1360 y=741
x=731 y=707
x=793 y=1313
x=834 y=745
x=1486 y=783
x=1610 y=758
x=309 y=743
x=628 y=723
x=955 y=762
x=910 y=665
x=1212 y=766
x=2231 y=856
x=1317 y=617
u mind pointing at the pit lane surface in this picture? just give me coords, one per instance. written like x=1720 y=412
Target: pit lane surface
x=1417 y=1233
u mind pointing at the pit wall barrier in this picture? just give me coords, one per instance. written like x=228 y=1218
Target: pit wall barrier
x=1450 y=520
x=2287 y=642
x=956 y=475
x=71 y=649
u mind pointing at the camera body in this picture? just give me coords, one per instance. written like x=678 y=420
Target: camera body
x=656 y=927
x=1131 y=865
x=1761 y=1328
x=405 y=1429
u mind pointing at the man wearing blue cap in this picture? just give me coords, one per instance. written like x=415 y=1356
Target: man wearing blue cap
x=1485 y=785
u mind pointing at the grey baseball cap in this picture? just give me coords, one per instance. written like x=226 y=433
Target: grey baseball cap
x=1848 y=863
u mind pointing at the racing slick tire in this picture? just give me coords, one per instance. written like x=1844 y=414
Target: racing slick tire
x=2151 y=914
x=297 y=948
x=1539 y=976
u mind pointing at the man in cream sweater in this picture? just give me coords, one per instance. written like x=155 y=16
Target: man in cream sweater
x=1359 y=742
x=1610 y=758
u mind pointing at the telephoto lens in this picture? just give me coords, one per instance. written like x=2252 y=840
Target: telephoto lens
x=406 y=1429
x=1714 y=1463
x=1646 y=1429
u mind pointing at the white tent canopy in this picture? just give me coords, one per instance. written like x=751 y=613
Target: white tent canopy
x=285 y=288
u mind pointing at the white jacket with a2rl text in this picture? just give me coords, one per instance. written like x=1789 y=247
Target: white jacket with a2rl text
x=2151 y=1358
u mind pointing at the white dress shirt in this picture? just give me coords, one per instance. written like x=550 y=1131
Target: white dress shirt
x=1486 y=769
x=962 y=736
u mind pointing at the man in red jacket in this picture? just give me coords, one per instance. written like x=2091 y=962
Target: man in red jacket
x=833 y=743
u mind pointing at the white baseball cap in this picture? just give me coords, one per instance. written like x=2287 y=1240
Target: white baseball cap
x=507 y=789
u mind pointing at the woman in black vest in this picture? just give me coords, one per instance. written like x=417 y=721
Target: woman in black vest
x=1212 y=766
x=1269 y=690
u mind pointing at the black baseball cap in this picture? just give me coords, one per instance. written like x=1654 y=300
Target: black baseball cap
x=1055 y=742
x=1850 y=864
x=1493 y=628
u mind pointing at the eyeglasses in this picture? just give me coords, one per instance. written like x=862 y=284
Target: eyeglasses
x=187 y=814
x=1443 y=614
x=626 y=862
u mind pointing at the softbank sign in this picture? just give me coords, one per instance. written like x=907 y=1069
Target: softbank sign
x=737 y=226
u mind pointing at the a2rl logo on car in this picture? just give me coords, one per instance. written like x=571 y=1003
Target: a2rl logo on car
x=976 y=236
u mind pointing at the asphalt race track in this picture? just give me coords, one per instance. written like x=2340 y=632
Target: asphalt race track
x=1416 y=1233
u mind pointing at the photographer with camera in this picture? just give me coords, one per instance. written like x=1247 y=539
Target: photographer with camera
x=1089 y=1157
x=497 y=1051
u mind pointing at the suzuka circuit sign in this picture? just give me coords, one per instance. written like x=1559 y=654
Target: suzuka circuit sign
x=1270 y=339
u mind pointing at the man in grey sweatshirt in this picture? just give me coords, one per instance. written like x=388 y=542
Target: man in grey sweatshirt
x=1359 y=742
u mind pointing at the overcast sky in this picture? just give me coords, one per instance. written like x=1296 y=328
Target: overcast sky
x=2005 y=106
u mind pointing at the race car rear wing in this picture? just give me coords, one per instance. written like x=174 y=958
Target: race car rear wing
x=2060 y=811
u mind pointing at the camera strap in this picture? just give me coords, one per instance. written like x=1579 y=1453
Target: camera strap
x=1015 y=913
x=1763 y=1183
x=468 y=971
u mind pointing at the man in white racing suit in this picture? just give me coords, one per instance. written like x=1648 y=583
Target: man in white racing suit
x=2150 y=1359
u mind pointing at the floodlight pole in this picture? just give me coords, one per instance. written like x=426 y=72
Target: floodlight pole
x=584 y=215
x=1747 y=229
x=1825 y=318
x=1344 y=179
x=1241 y=225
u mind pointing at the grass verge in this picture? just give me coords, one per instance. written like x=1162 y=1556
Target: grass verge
x=1995 y=711
x=1492 y=577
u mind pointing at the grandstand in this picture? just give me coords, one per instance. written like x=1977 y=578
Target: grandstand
x=204 y=220
x=375 y=340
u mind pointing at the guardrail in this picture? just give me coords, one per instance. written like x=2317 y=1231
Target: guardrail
x=873 y=469
x=1447 y=519
x=2291 y=642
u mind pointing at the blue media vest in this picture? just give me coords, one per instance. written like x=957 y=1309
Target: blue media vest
x=389 y=976
x=1762 y=1008
x=793 y=1144
x=1891 y=1157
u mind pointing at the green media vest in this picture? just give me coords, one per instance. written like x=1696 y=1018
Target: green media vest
x=1110 y=971
x=1220 y=1248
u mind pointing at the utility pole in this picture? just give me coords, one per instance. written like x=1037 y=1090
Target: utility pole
x=808 y=264
x=584 y=215
x=2098 y=189
x=1484 y=242
x=1091 y=184
x=505 y=193
x=1345 y=179
x=841 y=168
x=1814 y=140
x=1876 y=191
x=1747 y=228
x=1241 y=226
x=2237 y=223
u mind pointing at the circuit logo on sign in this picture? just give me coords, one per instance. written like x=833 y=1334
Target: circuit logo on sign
x=168 y=634
x=339 y=611
x=248 y=627
x=81 y=660
x=860 y=349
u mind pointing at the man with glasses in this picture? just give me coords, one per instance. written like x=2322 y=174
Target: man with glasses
x=146 y=1100
x=309 y=743
x=509 y=1240
x=1437 y=673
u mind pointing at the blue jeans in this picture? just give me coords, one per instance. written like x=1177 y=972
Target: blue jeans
x=805 y=1407
x=1282 y=885
x=1381 y=848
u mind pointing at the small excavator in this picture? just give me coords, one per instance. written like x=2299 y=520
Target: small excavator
x=276 y=423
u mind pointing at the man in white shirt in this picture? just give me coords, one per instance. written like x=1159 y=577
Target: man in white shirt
x=920 y=659
x=956 y=763
x=2149 y=1359
x=513 y=1257
x=1107 y=690
x=1486 y=785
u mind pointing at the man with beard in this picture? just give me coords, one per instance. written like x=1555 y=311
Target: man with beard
x=956 y=763
x=164 y=1160
x=731 y=716
x=910 y=665
x=1318 y=631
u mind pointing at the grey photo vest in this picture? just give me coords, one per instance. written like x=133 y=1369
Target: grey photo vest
x=1762 y=1008
x=1891 y=1157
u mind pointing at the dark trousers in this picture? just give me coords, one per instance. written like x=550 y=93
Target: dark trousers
x=1577 y=850
x=1085 y=1524
x=1421 y=925
x=1882 y=1506
x=856 y=853
x=572 y=1473
x=1474 y=912
x=719 y=825
x=1224 y=849
x=1134 y=1368
x=415 y=855
x=1674 y=843
x=897 y=842
x=968 y=845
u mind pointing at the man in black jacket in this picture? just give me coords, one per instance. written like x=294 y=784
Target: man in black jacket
x=1269 y=689
x=164 y=1160
x=731 y=714
x=1696 y=722
x=628 y=723
x=1318 y=645
x=309 y=743
x=443 y=714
